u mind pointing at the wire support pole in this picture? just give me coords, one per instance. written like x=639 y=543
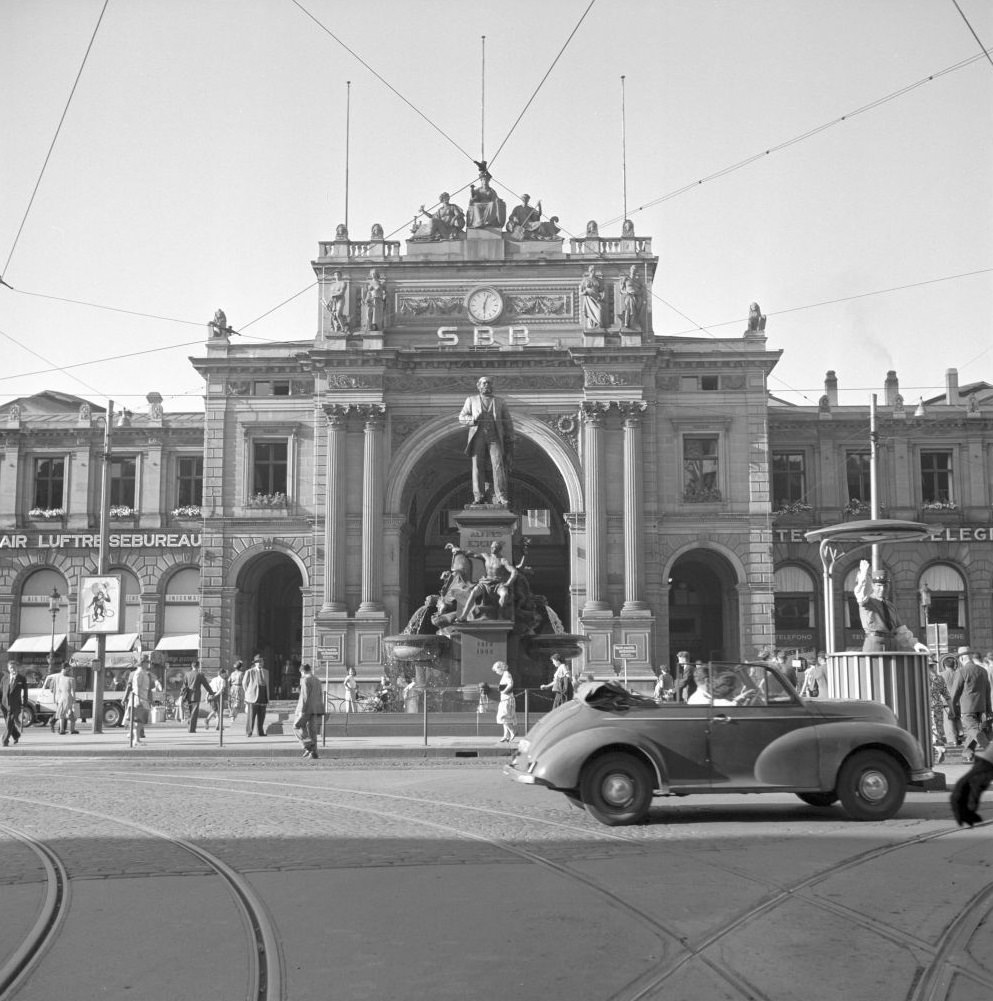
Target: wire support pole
x=624 y=149
x=348 y=128
x=482 y=102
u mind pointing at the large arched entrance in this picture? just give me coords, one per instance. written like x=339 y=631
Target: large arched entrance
x=269 y=613
x=703 y=606
x=439 y=487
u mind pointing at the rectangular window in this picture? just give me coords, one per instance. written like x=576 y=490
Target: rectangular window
x=122 y=482
x=794 y=611
x=789 y=481
x=700 y=469
x=269 y=467
x=189 y=481
x=49 y=480
x=859 y=480
x=271 y=387
x=936 y=478
x=708 y=383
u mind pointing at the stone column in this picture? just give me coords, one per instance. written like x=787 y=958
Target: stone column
x=372 y=510
x=633 y=573
x=596 y=514
x=334 y=522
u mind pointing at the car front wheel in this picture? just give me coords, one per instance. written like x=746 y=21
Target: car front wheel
x=617 y=789
x=871 y=786
x=818 y=798
x=27 y=715
x=113 y=714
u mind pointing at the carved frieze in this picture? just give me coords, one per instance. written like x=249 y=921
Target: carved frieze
x=601 y=377
x=429 y=305
x=540 y=305
x=565 y=426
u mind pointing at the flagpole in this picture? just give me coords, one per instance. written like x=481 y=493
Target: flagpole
x=348 y=122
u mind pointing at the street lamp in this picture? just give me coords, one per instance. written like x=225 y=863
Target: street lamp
x=53 y=606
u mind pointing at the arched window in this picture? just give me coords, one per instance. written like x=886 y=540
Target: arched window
x=35 y=612
x=130 y=601
x=947 y=595
x=182 y=603
x=795 y=600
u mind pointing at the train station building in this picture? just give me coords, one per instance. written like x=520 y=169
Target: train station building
x=664 y=494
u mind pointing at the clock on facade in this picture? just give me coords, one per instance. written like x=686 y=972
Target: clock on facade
x=484 y=305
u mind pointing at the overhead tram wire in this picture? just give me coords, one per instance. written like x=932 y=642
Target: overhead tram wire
x=381 y=79
x=51 y=147
x=543 y=79
x=54 y=368
x=986 y=51
x=810 y=133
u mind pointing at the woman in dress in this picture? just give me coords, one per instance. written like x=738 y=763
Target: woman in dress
x=351 y=692
x=236 y=690
x=507 y=711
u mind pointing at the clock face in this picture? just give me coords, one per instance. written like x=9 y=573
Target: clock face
x=484 y=305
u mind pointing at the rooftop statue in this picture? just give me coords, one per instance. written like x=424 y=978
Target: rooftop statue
x=486 y=209
x=335 y=303
x=448 y=223
x=756 y=320
x=524 y=220
x=218 y=327
x=374 y=301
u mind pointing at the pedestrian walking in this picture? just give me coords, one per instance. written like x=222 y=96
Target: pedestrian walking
x=351 y=691
x=138 y=699
x=65 y=702
x=236 y=689
x=971 y=701
x=256 y=682
x=13 y=697
x=310 y=711
x=561 y=683
x=970 y=788
x=815 y=679
x=507 y=710
x=194 y=683
x=218 y=687
x=950 y=722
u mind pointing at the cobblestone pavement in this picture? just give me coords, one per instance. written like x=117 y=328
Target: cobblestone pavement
x=445 y=880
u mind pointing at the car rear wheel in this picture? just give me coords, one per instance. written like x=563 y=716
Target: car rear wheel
x=617 y=789
x=113 y=714
x=818 y=798
x=871 y=786
x=27 y=716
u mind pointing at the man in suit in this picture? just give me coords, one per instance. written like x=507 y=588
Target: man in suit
x=256 y=682
x=491 y=432
x=970 y=700
x=193 y=684
x=13 y=696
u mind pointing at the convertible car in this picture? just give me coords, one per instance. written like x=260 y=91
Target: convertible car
x=744 y=731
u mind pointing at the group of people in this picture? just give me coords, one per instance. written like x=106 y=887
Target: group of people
x=961 y=710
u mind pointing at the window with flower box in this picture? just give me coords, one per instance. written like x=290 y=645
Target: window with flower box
x=189 y=481
x=937 y=484
x=123 y=482
x=789 y=481
x=49 y=484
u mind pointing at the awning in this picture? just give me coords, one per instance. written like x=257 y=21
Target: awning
x=116 y=643
x=179 y=641
x=37 y=644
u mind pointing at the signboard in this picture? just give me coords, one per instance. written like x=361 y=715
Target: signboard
x=625 y=651
x=100 y=604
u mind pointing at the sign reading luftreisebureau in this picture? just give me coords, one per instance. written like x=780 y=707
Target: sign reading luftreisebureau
x=100 y=604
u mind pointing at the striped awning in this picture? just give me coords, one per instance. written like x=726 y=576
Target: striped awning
x=37 y=644
x=179 y=641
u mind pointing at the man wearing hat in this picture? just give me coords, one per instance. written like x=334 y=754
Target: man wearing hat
x=879 y=618
x=970 y=700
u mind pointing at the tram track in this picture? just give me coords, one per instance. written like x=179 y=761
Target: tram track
x=937 y=964
x=265 y=973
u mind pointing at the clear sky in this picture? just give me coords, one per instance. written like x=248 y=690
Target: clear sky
x=202 y=158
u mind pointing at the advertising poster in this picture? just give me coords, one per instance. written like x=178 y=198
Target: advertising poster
x=100 y=604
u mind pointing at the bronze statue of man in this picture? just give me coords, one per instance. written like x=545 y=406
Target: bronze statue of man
x=491 y=434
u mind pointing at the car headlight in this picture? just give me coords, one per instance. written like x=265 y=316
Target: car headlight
x=524 y=745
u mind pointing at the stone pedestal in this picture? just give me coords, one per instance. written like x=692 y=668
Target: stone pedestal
x=482 y=525
x=481 y=643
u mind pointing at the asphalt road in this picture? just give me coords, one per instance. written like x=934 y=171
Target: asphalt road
x=157 y=878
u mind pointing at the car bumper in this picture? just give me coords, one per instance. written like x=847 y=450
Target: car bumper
x=522 y=774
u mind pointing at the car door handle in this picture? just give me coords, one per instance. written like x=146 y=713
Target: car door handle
x=720 y=718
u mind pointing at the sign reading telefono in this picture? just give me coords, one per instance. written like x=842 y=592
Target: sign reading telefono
x=128 y=540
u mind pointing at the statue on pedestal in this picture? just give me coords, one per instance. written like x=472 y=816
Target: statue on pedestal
x=756 y=321
x=491 y=433
x=218 y=327
x=631 y=297
x=335 y=303
x=591 y=300
x=486 y=209
x=448 y=223
x=373 y=301
x=525 y=221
